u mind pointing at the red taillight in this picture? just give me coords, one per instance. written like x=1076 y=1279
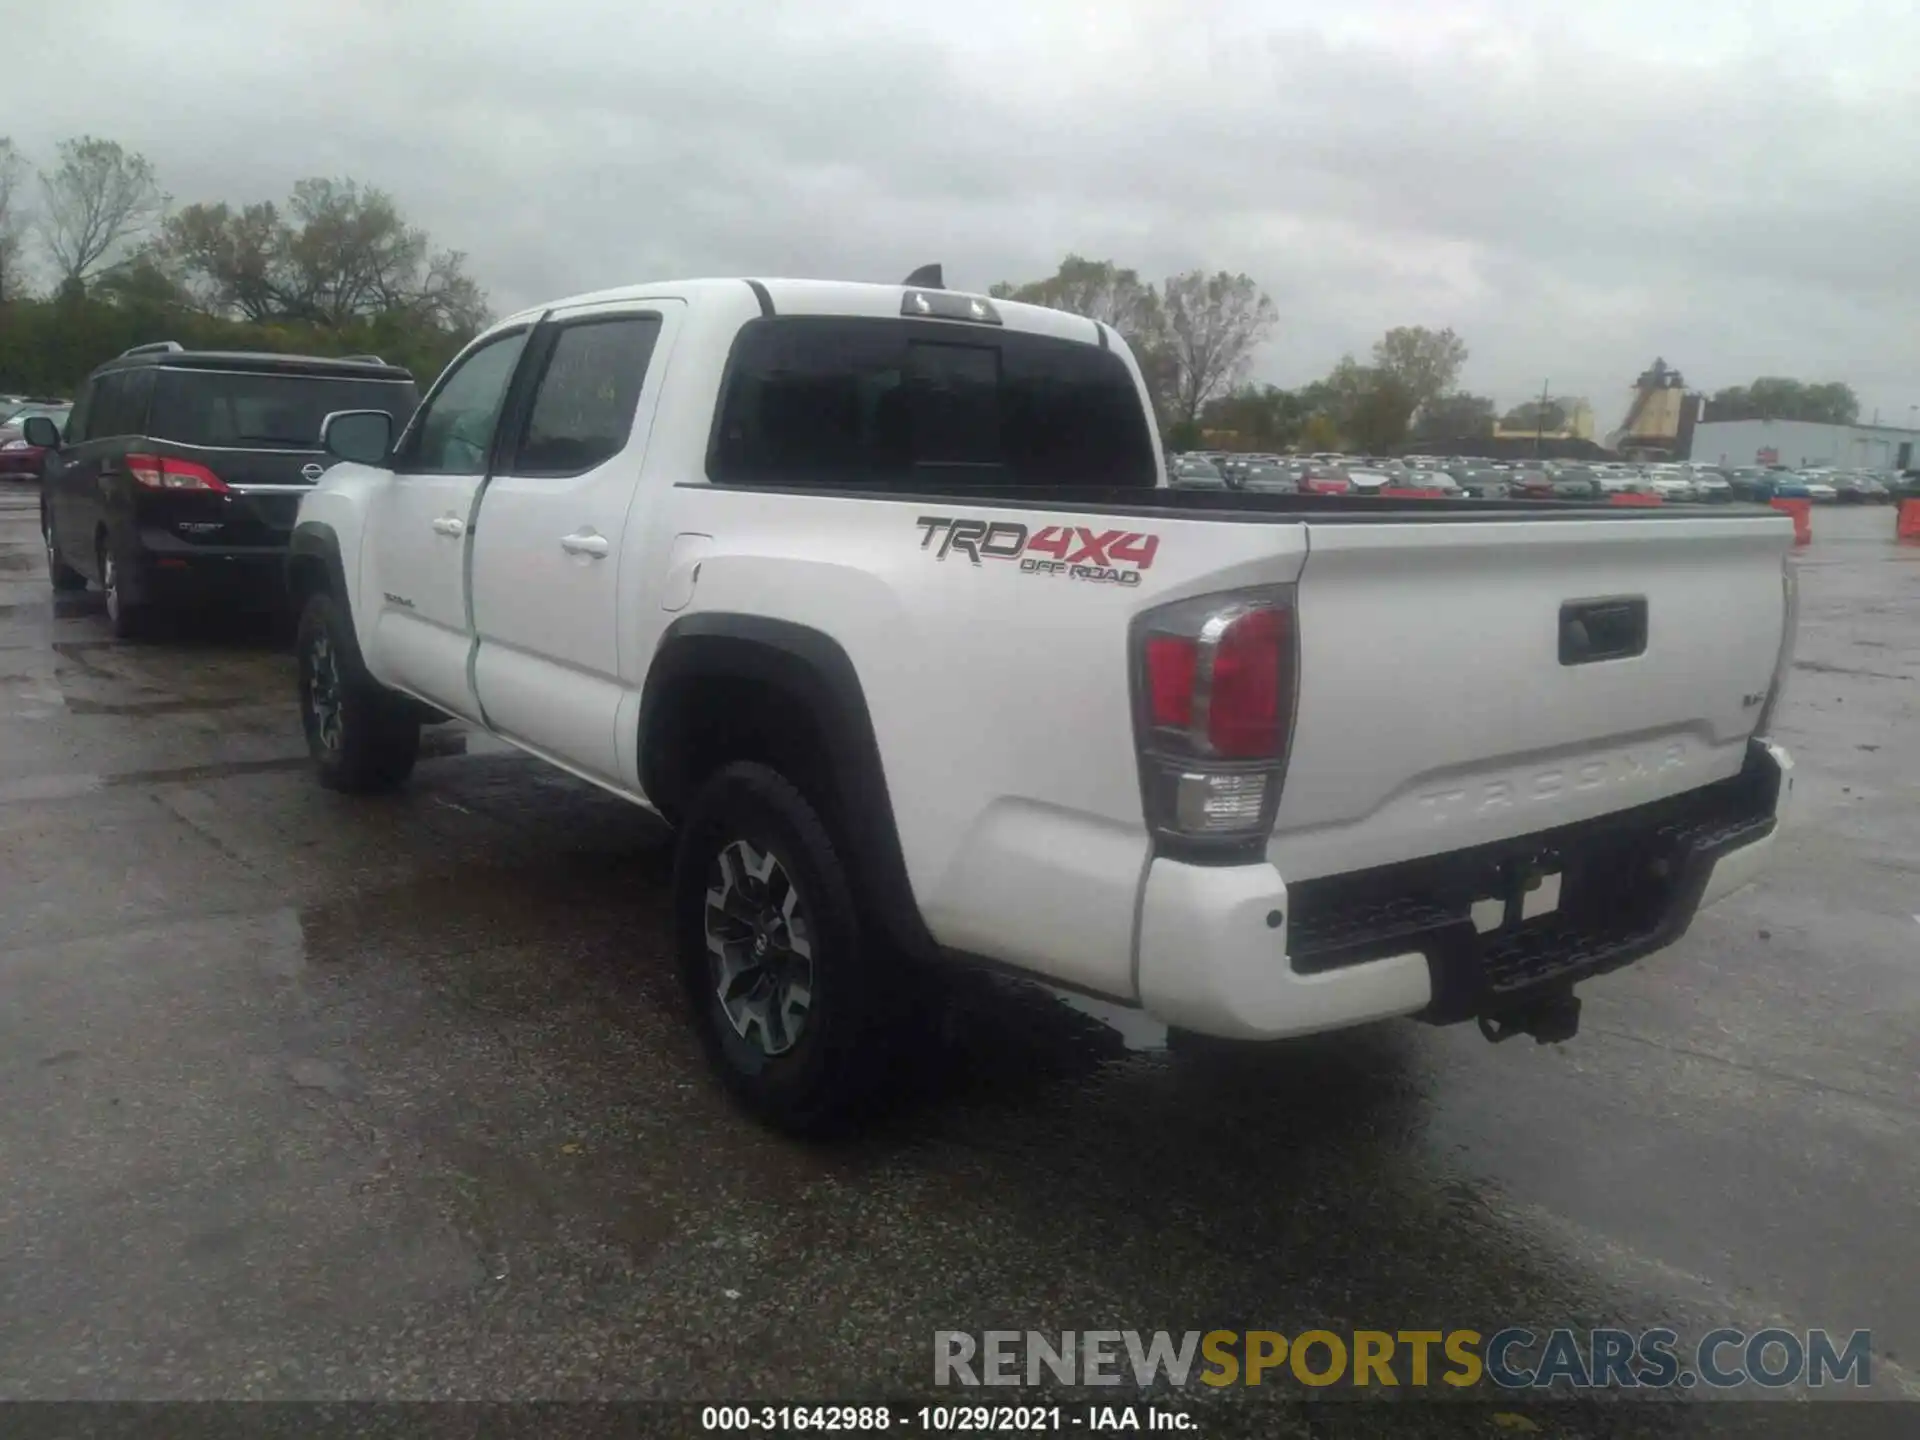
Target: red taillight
x=1170 y=665
x=1216 y=712
x=164 y=472
x=1244 y=719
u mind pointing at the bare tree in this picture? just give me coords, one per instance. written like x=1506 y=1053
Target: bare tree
x=1213 y=324
x=13 y=170
x=99 y=202
x=229 y=259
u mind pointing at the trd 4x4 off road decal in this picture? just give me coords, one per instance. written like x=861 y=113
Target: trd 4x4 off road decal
x=1076 y=552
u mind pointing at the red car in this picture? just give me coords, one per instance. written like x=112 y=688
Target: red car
x=1527 y=483
x=1325 y=480
x=18 y=459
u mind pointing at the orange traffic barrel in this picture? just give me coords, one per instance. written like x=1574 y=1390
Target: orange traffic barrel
x=1802 y=513
x=1907 y=522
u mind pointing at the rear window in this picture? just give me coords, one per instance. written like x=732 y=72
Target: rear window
x=861 y=403
x=265 y=410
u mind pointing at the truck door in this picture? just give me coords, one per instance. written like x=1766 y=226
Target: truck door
x=414 y=577
x=547 y=550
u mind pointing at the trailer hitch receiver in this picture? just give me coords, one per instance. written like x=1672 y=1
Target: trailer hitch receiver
x=1550 y=1019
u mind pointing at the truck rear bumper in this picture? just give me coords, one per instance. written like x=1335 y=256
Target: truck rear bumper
x=1232 y=951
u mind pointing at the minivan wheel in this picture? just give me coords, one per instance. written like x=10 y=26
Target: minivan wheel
x=63 y=576
x=779 y=971
x=363 y=738
x=127 y=620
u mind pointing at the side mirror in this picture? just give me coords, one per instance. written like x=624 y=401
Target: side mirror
x=363 y=436
x=40 y=432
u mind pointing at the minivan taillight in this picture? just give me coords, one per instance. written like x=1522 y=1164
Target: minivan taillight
x=1214 y=716
x=163 y=472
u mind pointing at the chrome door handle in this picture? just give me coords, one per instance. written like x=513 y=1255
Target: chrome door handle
x=448 y=525
x=588 y=544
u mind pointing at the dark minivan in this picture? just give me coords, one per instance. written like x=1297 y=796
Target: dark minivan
x=181 y=471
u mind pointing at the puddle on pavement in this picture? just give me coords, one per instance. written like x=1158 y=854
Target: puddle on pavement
x=66 y=787
x=187 y=706
x=1823 y=667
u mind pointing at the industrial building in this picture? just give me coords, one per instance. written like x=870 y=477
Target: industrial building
x=1802 y=442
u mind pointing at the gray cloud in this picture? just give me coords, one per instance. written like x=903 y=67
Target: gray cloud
x=1724 y=185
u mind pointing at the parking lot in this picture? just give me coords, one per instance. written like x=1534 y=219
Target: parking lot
x=307 y=1097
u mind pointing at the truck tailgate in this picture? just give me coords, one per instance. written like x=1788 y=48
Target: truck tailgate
x=1467 y=682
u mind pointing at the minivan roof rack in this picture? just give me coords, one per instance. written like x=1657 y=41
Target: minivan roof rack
x=157 y=347
x=369 y=359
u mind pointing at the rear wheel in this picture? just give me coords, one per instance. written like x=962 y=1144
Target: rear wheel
x=363 y=738
x=782 y=976
x=127 y=618
x=62 y=575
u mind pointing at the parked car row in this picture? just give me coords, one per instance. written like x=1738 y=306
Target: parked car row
x=1473 y=477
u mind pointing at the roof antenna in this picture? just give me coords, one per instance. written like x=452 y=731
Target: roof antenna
x=927 y=277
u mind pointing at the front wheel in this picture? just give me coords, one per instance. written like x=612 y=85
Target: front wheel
x=780 y=973
x=363 y=738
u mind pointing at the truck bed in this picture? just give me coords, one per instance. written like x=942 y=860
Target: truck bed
x=1267 y=508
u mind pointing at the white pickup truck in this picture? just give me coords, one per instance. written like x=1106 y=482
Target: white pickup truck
x=879 y=595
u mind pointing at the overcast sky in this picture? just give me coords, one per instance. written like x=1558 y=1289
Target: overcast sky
x=1729 y=184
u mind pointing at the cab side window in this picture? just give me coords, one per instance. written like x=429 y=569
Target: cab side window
x=582 y=412
x=453 y=432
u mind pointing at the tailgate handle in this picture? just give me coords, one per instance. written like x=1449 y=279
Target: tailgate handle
x=1594 y=630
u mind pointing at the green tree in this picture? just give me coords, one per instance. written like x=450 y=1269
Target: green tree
x=336 y=254
x=99 y=203
x=1775 y=397
x=1319 y=434
x=1183 y=435
x=1370 y=407
x=1264 y=417
x=1421 y=364
x=1539 y=416
x=1456 y=416
x=1381 y=413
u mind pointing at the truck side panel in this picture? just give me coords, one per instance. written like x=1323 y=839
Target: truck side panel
x=1000 y=694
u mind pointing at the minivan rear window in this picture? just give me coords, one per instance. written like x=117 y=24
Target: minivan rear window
x=264 y=409
x=833 y=402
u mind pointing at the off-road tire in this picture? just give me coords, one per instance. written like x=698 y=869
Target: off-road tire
x=830 y=1076
x=363 y=738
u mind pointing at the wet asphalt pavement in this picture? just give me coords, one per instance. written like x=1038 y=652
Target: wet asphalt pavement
x=312 y=1097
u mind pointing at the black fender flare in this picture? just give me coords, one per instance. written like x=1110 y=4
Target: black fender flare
x=813 y=671
x=315 y=540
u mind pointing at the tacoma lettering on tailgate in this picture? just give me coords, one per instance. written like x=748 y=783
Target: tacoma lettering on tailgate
x=1549 y=784
x=1074 y=552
